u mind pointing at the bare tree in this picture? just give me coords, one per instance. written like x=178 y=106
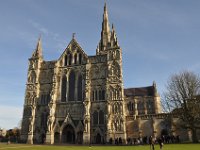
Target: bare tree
x=182 y=99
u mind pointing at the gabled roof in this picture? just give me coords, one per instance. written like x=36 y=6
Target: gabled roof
x=73 y=42
x=142 y=91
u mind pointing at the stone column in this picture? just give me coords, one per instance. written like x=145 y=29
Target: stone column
x=67 y=92
x=87 y=105
x=51 y=118
x=136 y=108
x=108 y=121
x=157 y=104
x=145 y=107
x=60 y=138
x=30 y=134
x=139 y=128
x=32 y=120
x=50 y=138
x=154 y=127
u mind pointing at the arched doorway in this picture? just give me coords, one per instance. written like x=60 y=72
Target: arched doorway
x=68 y=135
x=56 y=137
x=98 y=138
x=80 y=137
x=43 y=137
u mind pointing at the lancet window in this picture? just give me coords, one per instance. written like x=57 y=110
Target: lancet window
x=140 y=107
x=80 y=58
x=98 y=117
x=71 y=86
x=64 y=89
x=98 y=95
x=80 y=88
x=150 y=107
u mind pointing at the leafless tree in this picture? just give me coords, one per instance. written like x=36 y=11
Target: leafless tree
x=182 y=98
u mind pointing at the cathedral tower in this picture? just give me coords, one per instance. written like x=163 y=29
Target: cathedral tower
x=32 y=94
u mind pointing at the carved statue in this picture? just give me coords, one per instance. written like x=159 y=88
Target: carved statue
x=86 y=125
x=50 y=123
x=52 y=109
x=30 y=124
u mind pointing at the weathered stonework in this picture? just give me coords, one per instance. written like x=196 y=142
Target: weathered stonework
x=81 y=99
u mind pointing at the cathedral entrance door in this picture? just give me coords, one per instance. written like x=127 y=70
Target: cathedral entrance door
x=56 y=137
x=68 y=135
x=98 y=139
x=80 y=137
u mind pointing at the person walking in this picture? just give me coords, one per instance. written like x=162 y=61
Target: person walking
x=151 y=143
x=160 y=142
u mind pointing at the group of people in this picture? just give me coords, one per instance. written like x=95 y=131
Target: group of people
x=145 y=140
x=117 y=141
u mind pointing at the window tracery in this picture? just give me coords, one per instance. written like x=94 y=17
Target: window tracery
x=32 y=77
x=98 y=117
x=140 y=108
x=75 y=59
x=71 y=86
x=98 y=95
x=64 y=89
x=80 y=88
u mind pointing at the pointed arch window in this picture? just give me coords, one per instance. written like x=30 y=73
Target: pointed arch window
x=140 y=108
x=43 y=120
x=80 y=88
x=98 y=117
x=96 y=95
x=72 y=86
x=75 y=59
x=69 y=59
x=80 y=58
x=150 y=107
x=95 y=118
x=32 y=77
x=103 y=94
x=93 y=95
x=64 y=89
x=100 y=95
x=66 y=60
x=101 y=117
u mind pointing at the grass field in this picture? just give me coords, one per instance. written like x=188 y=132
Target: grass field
x=4 y=146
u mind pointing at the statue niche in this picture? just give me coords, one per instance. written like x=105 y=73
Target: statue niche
x=114 y=72
x=32 y=77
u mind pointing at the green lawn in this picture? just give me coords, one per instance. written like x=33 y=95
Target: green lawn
x=4 y=146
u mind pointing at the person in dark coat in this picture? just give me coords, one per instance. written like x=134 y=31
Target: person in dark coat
x=151 y=143
x=160 y=142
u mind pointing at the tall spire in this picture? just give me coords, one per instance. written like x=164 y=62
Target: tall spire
x=105 y=33
x=38 y=51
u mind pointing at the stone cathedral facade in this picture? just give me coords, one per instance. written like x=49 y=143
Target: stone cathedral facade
x=81 y=99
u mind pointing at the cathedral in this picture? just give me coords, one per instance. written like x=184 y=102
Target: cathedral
x=81 y=99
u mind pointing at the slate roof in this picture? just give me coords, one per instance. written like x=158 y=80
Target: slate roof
x=143 y=91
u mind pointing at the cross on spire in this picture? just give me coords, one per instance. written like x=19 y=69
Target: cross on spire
x=73 y=35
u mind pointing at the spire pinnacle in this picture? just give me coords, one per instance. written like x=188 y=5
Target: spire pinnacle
x=73 y=35
x=113 y=39
x=38 y=50
x=155 y=88
x=105 y=33
x=106 y=25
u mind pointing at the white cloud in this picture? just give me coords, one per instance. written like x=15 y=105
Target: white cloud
x=10 y=116
x=60 y=43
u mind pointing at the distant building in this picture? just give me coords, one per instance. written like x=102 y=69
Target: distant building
x=81 y=99
x=2 y=132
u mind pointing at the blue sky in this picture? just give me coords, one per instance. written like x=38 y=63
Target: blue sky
x=158 y=38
